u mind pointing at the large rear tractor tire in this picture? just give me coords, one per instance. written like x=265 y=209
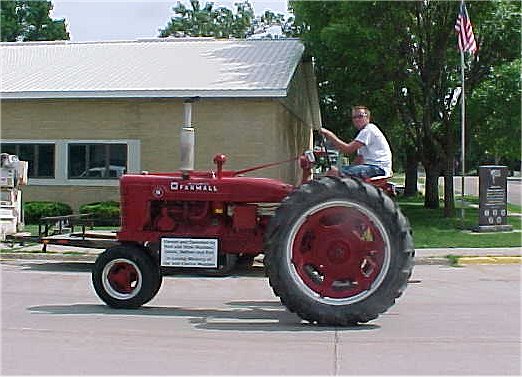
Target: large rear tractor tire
x=126 y=276
x=338 y=252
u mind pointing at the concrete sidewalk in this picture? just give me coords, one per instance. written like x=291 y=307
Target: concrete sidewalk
x=439 y=256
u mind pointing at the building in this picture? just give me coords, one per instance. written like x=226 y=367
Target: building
x=82 y=114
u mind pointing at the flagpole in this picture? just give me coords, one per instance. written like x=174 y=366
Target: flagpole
x=463 y=134
x=466 y=42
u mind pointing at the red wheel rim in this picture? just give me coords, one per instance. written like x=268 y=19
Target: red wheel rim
x=339 y=251
x=122 y=278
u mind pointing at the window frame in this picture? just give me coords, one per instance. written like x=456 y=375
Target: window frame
x=87 y=160
x=61 y=162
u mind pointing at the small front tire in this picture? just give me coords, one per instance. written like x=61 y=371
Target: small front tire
x=126 y=277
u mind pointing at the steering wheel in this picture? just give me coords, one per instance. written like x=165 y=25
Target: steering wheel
x=322 y=144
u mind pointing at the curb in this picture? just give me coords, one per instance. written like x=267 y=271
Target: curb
x=490 y=260
x=434 y=261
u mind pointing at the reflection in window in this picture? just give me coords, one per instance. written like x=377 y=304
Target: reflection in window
x=40 y=157
x=97 y=161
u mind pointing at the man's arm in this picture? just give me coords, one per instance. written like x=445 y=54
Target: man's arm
x=344 y=147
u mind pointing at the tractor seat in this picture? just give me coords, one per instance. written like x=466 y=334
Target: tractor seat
x=380 y=178
x=381 y=181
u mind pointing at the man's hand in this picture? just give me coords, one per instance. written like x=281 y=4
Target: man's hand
x=327 y=133
x=344 y=147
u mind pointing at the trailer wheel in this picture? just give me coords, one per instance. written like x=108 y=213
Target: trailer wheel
x=338 y=252
x=126 y=277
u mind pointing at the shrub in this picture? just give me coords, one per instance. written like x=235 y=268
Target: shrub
x=103 y=213
x=34 y=211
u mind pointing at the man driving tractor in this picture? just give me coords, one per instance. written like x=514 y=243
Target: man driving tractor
x=374 y=156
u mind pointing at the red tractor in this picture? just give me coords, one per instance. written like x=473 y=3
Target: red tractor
x=337 y=251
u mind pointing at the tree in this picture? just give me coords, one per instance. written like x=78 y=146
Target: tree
x=29 y=21
x=359 y=62
x=263 y=24
x=206 y=21
x=494 y=98
x=494 y=110
x=427 y=91
x=404 y=63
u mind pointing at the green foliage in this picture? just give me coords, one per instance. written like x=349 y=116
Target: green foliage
x=33 y=211
x=29 y=21
x=494 y=114
x=104 y=213
x=352 y=58
x=207 y=21
x=400 y=58
x=453 y=260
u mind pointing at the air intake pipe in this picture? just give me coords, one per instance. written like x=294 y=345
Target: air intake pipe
x=187 y=138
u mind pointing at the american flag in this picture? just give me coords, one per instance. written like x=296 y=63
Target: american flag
x=465 y=31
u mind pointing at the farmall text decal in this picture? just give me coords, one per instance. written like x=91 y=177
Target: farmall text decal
x=177 y=186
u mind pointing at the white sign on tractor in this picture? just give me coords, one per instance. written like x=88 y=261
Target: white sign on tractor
x=189 y=252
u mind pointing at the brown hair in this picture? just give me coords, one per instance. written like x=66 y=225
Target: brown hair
x=363 y=108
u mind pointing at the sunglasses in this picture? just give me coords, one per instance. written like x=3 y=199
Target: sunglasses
x=358 y=116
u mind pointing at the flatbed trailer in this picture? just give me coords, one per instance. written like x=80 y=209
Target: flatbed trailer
x=91 y=240
x=60 y=230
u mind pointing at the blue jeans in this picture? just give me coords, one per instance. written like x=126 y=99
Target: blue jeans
x=362 y=171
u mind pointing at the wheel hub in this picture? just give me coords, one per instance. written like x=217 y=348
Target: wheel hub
x=122 y=279
x=339 y=252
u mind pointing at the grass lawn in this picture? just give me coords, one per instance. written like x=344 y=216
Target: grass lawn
x=432 y=230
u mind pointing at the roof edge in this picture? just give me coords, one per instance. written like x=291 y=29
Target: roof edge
x=143 y=40
x=253 y=93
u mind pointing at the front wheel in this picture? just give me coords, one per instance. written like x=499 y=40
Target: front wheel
x=338 y=252
x=126 y=276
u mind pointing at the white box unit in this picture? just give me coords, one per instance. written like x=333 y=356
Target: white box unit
x=13 y=174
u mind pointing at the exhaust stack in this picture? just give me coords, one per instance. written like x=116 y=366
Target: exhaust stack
x=187 y=139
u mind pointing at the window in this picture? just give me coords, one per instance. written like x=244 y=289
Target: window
x=97 y=161
x=39 y=156
x=80 y=162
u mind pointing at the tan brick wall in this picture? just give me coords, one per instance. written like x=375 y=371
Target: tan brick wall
x=249 y=132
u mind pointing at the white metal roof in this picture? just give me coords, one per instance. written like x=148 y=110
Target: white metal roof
x=169 y=67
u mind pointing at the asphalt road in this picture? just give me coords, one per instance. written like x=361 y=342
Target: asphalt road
x=450 y=321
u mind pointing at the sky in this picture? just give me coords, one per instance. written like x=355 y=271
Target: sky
x=99 y=20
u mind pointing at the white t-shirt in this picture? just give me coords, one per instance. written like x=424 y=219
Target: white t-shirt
x=376 y=150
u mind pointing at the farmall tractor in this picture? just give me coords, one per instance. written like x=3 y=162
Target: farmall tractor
x=337 y=251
